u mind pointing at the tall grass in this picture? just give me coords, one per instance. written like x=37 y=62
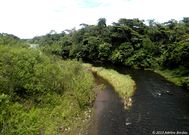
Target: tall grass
x=123 y=84
x=40 y=94
x=179 y=76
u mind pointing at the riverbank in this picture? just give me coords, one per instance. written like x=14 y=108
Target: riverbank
x=177 y=76
x=43 y=94
x=154 y=96
x=123 y=84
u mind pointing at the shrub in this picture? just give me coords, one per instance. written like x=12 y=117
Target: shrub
x=40 y=94
x=27 y=72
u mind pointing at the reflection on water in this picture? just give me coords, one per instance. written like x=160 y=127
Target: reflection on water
x=109 y=112
x=158 y=105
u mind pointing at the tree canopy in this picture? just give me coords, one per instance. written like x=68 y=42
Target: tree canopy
x=128 y=42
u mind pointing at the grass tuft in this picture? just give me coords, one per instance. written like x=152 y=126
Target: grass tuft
x=123 y=84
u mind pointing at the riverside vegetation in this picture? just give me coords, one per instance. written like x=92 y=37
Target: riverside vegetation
x=43 y=94
x=128 y=42
x=122 y=84
x=40 y=93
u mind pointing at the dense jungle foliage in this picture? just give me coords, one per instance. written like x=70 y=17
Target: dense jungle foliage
x=128 y=42
x=39 y=93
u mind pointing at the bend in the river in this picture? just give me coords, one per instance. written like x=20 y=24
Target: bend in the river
x=158 y=105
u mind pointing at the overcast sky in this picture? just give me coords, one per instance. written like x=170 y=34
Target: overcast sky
x=28 y=18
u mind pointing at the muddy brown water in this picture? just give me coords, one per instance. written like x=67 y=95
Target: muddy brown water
x=159 y=107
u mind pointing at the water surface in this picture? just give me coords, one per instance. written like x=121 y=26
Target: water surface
x=158 y=105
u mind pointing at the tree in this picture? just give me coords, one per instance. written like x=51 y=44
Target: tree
x=186 y=20
x=171 y=23
x=135 y=24
x=104 y=50
x=151 y=22
x=101 y=22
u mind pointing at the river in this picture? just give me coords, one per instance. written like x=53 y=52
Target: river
x=159 y=107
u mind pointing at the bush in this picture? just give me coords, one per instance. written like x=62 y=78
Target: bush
x=11 y=40
x=40 y=94
x=27 y=72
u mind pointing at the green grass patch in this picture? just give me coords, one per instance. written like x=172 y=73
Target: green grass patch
x=123 y=84
x=178 y=76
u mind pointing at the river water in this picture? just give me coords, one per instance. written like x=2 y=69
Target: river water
x=159 y=107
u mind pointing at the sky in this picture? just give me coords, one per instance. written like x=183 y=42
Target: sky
x=29 y=18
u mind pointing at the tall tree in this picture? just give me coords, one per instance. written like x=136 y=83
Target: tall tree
x=102 y=22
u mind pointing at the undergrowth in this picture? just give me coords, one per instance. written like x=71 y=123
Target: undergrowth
x=40 y=94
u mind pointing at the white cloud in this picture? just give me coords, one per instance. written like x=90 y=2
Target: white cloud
x=27 y=18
